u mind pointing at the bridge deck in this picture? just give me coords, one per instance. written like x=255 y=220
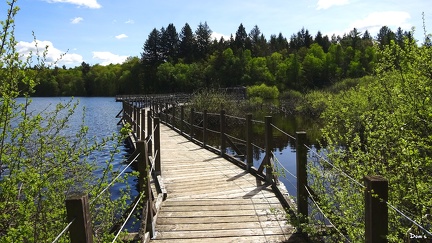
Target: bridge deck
x=211 y=199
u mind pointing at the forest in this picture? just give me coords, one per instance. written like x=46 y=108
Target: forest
x=188 y=60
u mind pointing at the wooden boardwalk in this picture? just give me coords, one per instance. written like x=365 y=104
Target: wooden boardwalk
x=210 y=199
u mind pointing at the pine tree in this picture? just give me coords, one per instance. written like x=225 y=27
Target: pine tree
x=169 y=43
x=203 y=40
x=187 y=44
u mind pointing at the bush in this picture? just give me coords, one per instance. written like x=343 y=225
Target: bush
x=263 y=91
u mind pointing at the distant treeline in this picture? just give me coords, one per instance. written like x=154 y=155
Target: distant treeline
x=188 y=60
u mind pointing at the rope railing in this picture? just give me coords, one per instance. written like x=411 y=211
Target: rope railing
x=236 y=117
x=281 y=131
x=408 y=218
x=363 y=187
x=128 y=217
x=283 y=167
x=258 y=122
x=108 y=186
x=63 y=231
x=258 y=147
x=241 y=141
x=322 y=212
x=335 y=167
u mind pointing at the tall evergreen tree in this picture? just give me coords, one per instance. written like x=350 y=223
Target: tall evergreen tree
x=203 y=40
x=240 y=38
x=187 y=44
x=169 y=43
x=254 y=37
x=152 y=50
x=385 y=35
x=323 y=41
x=399 y=36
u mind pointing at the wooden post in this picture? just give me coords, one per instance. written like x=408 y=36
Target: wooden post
x=143 y=128
x=144 y=187
x=376 y=213
x=157 y=153
x=156 y=114
x=139 y=126
x=181 y=119
x=149 y=132
x=166 y=114
x=134 y=119
x=124 y=109
x=222 y=132
x=173 y=116
x=301 y=161
x=249 y=147
x=77 y=208
x=192 y=114
x=269 y=149
x=205 y=128
x=141 y=164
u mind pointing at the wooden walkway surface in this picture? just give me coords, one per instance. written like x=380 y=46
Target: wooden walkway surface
x=210 y=199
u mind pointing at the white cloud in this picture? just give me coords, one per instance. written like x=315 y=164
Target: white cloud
x=121 y=36
x=374 y=21
x=108 y=57
x=130 y=21
x=217 y=36
x=76 y=20
x=84 y=3
x=325 y=4
x=54 y=55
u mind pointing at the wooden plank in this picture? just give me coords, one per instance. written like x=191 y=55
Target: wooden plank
x=190 y=234
x=251 y=239
x=216 y=213
x=226 y=226
x=222 y=207
x=198 y=202
x=224 y=219
x=211 y=199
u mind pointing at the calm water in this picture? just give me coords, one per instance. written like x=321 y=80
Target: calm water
x=100 y=117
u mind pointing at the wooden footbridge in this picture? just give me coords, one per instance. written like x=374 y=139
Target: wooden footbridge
x=193 y=189
x=208 y=194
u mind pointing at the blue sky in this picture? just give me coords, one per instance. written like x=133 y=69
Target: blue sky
x=109 y=31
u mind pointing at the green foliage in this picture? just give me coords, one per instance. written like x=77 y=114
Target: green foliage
x=263 y=91
x=383 y=127
x=213 y=101
x=41 y=160
x=313 y=104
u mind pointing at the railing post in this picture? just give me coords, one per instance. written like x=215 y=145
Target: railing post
x=173 y=116
x=143 y=114
x=205 y=128
x=192 y=114
x=181 y=119
x=149 y=132
x=157 y=153
x=134 y=119
x=222 y=132
x=166 y=114
x=77 y=208
x=139 y=126
x=144 y=187
x=269 y=149
x=142 y=165
x=249 y=148
x=301 y=161
x=376 y=213
x=124 y=109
